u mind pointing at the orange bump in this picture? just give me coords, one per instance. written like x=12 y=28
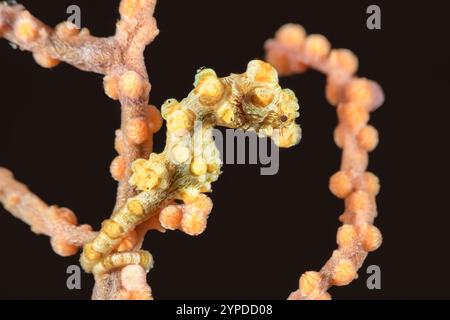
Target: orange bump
x=310 y=282
x=341 y=184
x=371 y=237
x=170 y=217
x=344 y=59
x=291 y=35
x=117 y=168
x=344 y=272
x=368 y=138
x=317 y=46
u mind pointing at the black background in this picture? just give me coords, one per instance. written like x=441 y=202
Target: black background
x=57 y=131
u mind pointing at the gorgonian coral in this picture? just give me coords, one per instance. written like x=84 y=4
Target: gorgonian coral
x=292 y=51
x=167 y=190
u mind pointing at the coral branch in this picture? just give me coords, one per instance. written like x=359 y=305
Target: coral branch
x=64 y=43
x=60 y=224
x=292 y=51
x=128 y=82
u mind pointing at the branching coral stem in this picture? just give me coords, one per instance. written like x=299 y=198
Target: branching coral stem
x=60 y=224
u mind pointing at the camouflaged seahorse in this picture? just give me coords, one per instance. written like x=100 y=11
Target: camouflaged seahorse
x=190 y=162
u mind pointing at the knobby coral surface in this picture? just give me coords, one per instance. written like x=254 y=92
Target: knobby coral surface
x=293 y=51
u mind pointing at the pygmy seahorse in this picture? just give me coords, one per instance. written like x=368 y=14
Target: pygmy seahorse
x=190 y=162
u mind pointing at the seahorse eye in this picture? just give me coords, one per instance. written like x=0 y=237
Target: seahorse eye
x=283 y=118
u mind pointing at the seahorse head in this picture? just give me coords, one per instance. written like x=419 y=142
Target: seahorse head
x=251 y=101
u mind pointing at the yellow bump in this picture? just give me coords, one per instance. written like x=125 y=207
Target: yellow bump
x=208 y=87
x=129 y=8
x=344 y=272
x=169 y=106
x=112 y=229
x=213 y=168
x=181 y=120
x=261 y=71
x=226 y=114
x=288 y=136
x=111 y=86
x=26 y=29
x=152 y=180
x=199 y=167
x=135 y=207
x=143 y=177
x=262 y=97
x=90 y=254
x=189 y=195
x=180 y=153
x=309 y=282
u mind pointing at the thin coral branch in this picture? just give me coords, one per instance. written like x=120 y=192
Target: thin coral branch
x=293 y=52
x=64 y=43
x=60 y=224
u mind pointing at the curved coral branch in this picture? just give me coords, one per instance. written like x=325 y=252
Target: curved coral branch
x=60 y=224
x=293 y=52
x=64 y=43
